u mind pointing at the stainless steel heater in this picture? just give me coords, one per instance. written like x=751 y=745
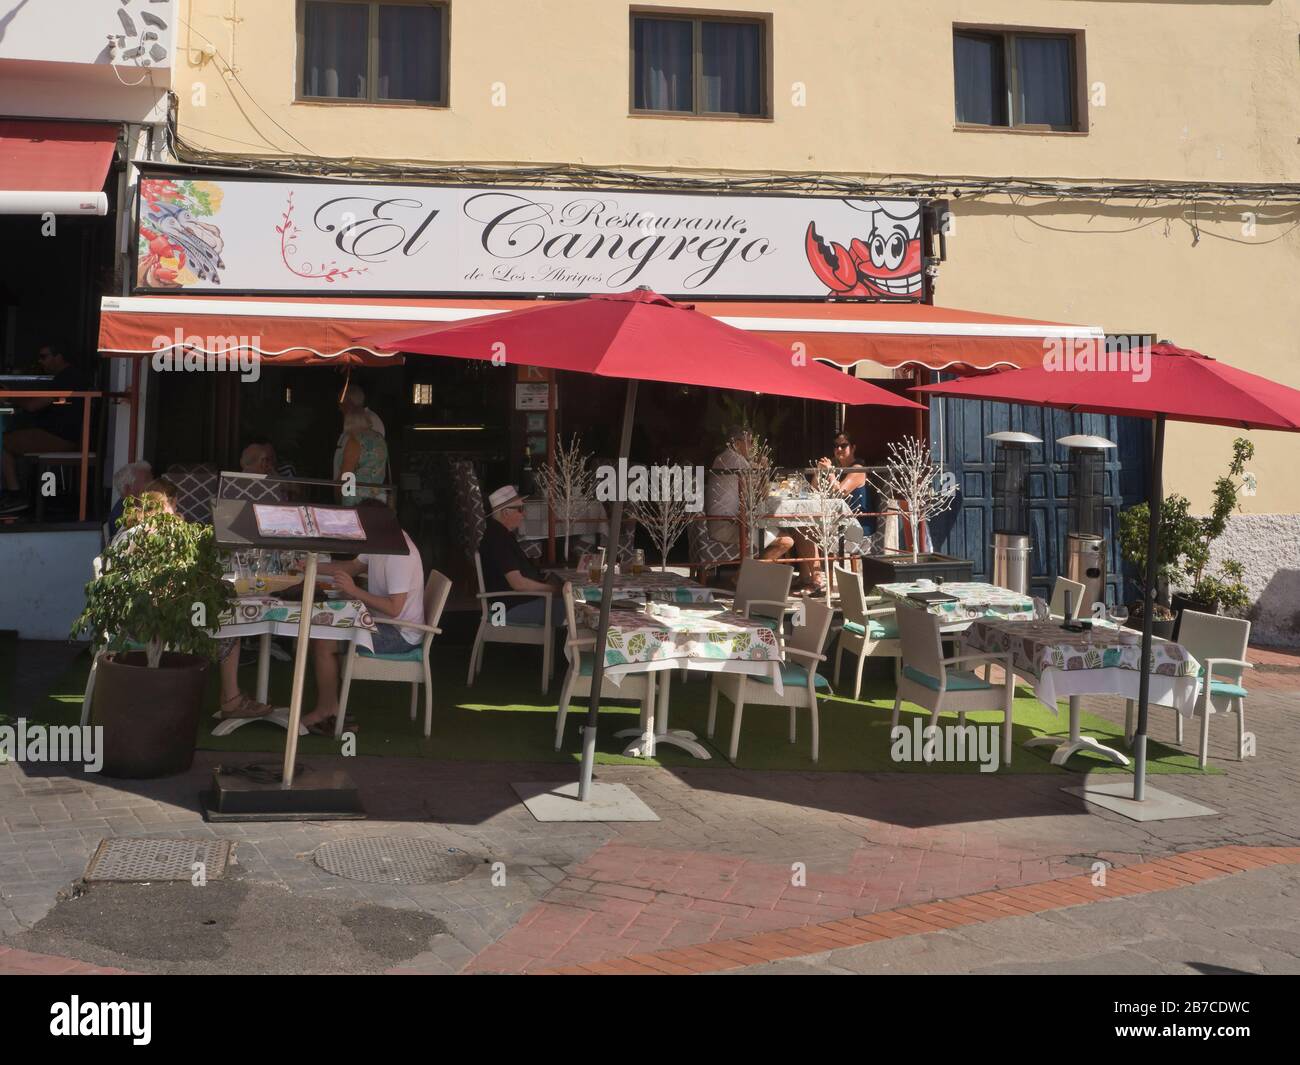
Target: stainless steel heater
x=1010 y=546
x=1085 y=544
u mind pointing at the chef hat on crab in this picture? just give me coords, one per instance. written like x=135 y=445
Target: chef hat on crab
x=908 y=212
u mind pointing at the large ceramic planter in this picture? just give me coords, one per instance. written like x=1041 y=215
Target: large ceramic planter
x=150 y=716
x=1163 y=629
x=899 y=569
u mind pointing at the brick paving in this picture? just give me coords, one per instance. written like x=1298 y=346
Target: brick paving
x=718 y=869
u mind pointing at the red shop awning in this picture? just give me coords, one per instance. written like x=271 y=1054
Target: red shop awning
x=58 y=167
x=302 y=330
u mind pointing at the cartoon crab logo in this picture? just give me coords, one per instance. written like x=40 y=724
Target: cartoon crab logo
x=886 y=263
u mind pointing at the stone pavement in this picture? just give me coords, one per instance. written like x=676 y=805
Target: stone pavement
x=737 y=854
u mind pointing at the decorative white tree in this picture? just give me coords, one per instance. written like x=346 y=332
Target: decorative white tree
x=568 y=484
x=911 y=476
x=755 y=484
x=824 y=516
x=664 y=519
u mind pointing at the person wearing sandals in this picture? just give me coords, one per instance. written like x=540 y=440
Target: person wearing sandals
x=395 y=590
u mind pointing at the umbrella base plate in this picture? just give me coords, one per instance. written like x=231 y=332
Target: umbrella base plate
x=1157 y=806
x=550 y=801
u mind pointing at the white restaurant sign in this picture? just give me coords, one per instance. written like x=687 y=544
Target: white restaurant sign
x=334 y=237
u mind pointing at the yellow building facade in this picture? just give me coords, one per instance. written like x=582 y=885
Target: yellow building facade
x=1200 y=103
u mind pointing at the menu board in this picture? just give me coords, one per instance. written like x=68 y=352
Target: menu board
x=328 y=523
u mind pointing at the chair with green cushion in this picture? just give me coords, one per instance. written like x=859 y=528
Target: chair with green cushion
x=799 y=679
x=1219 y=645
x=929 y=680
x=579 y=645
x=870 y=629
x=411 y=667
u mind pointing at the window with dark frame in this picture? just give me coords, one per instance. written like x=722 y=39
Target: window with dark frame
x=1016 y=80
x=699 y=65
x=366 y=51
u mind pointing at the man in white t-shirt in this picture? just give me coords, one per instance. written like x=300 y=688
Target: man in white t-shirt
x=353 y=399
x=395 y=590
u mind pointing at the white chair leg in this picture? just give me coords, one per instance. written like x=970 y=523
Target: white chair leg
x=415 y=695
x=816 y=730
x=792 y=724
x=857 y=680
x=961 y=718
x=1241 y=726
x=90 y=687
x=839 y=654
x=713 y=707
x=1178 y=728
x=898 y=703
x=563 y=710
x=428 y=701
x=343 y=693
x=1205 y=734
x=1009 y=706
x=735 y=719
x=546 y=661
x=474 y=656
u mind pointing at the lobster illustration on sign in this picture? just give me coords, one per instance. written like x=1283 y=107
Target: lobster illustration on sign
x=885 y=261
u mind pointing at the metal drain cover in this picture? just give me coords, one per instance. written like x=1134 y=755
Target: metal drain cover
x=131 y=860
x=394 y=860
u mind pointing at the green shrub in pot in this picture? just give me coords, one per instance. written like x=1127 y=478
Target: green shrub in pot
x=160 y=589
x=1177 y=535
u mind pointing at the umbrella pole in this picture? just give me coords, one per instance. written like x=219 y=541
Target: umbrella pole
x=606 y=597
x=1148 y=612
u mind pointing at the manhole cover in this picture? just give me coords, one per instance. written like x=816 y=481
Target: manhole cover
x=394 y=860
x=126 y=859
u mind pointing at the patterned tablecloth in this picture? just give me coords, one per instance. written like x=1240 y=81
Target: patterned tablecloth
x=334 y=619
x=660 y=587
x=1105 y=660
x=711 y=639
x=975 y=599
x=786 y=511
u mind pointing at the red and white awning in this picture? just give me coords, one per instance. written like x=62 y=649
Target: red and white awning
x=55 y=167
x=301 y=330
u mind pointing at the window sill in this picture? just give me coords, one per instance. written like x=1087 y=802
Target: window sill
x=398 y=104
x=970 y=127
x=688 y=116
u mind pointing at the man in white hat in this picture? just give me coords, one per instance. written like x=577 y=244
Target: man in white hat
x=505 y=566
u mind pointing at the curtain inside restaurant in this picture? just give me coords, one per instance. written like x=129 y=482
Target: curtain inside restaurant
x=980 y=79
x=663 y=64
x=732 y=61
x=1043 y=81
x=410 y=53
x=335 y=38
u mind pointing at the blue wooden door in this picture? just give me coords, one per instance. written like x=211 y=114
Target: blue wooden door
x=959 y=431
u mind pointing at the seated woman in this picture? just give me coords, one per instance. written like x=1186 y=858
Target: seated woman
x=851 y=484
x=365 y=456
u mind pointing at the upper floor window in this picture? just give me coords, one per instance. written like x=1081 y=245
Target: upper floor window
x=686 y=65
x=1018 y=80
x=371 y=52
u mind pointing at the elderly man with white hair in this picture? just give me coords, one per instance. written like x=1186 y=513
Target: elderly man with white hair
x=129 y=480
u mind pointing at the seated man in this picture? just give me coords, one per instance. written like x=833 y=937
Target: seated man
x=129 y=480
x=395 y=589
x=505 y=566
x=54 y=426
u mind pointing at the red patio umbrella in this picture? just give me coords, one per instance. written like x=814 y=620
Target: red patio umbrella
x=639 y=336
x=1160 y=381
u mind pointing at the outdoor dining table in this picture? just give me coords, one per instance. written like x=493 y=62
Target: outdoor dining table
x=659 y=587
x=784 y=510
x=972 y=600
x=703 y=638
x=266 y=616
x=1102 y=660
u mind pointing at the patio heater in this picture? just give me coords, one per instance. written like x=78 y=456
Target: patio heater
x=1010 y=565
x=1085 y=544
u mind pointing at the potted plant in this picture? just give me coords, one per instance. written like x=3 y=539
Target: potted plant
x=925 y=491
x=158 y=593
x=1177 y=533
x=1207 y=592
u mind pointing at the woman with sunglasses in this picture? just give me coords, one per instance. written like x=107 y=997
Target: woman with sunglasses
x=853 y=483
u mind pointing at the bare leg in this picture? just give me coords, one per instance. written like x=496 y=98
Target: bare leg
x=778 y=548
x=230 y=674
x=324 y=654
x=810 y=569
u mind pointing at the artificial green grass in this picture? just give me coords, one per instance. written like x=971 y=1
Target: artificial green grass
x=506 y=718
